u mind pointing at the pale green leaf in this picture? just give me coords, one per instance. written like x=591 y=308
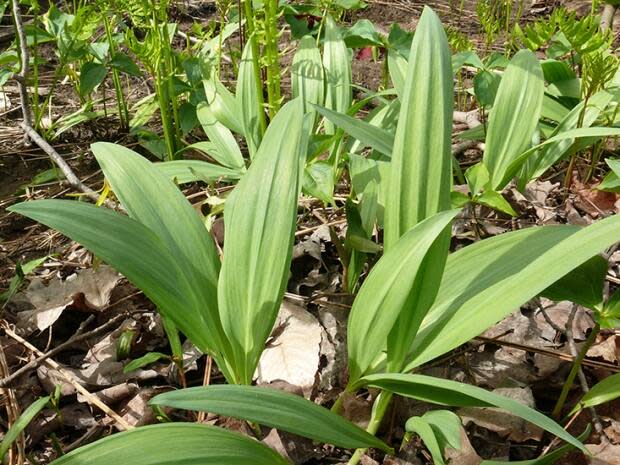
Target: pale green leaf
x=226 y=148
x=223 y=105
x=419 y=426
x=307 y=80
x=146 y=359
x=270 y=407
x=387 y=291
x=486 y=281
x=131 y=248
x=174 y=444
x=452 y=393
x=420 y=178
x=184 y=171
x=260 y=218
x=337 y=67
x=514 y=116
x=248 y=99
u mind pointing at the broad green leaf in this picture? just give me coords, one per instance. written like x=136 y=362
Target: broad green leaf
x=486 y=281
x=21 y=423
x=384 y=117
x=477 y=177
x=174 y=443
x=369 y=134
x=452 y=393
x=157 y=203
x=602 y=392
x=260 y=217
x=514 y=116
x=248 y=99
x=307 y=78
x=124 y=64
x=270 y=407
x=146 y=359
x=609 y=317
x=496 y=201
x=319 y=181
x=131 y=248
x=583 y=285
x=423 y=429
x=337 y=66
x=447 y=427
x=362 y=34
x=184 y=171
x=91 y=75
x=486 y=85
x=611 y=182
x=421 y=172
x=226 y=148
x=21 y=271
x=387 y=291
x=223 y=105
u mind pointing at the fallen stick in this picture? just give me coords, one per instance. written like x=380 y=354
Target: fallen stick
x=92 y=399
x=71 y=177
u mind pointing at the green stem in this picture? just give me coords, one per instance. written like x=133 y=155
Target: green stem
x=379 y=409
x=573 y=372
x=123 y=113
x=249 y=30
x=271 y=54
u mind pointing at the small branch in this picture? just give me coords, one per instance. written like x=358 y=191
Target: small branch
x=596 y=421
x=56 y=350
x=607 y=17
x=71 y=177
x=23 y=72
x=470 y=118
x=94 y=400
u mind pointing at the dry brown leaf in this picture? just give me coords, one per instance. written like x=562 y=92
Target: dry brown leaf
x=89 y=287
x=293 y=354
x=604 y=454
x=502 y=422
x=607 y=348
x=467 y=455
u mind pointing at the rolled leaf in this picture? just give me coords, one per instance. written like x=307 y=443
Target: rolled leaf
x=249 y=99
x=260 y=217
x=277 y=409
x=420 y=179
x=421 y=171
x=226 y=148
x=154 y=201
x=307 y=78
x=486 y=281
x=388 y=290
x=337 y=66
x=514 y=116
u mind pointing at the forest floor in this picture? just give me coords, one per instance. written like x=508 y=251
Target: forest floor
x=77 y=308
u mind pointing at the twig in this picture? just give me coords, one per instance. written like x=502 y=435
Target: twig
x=548 y=319
x=205 y=382
x=596 y=421
x=56 y=350
x=23 y=72
x=607 y=17
x=71 y=177
x=94 y=400
x=12 y=410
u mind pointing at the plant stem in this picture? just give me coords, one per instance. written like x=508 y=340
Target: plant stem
x=382 y=402
x=123 y=113
x=271 y=55
x=249 y=30
x=573 y=372
x=23 y=72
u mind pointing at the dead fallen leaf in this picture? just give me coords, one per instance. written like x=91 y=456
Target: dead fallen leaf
x=293 y=355
x=466 y=455
x=296 y=449
x=502 y=422
x=89 y=287
x=606 y=347
x=604 y=454
x=593 y=201
x=137 y=411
